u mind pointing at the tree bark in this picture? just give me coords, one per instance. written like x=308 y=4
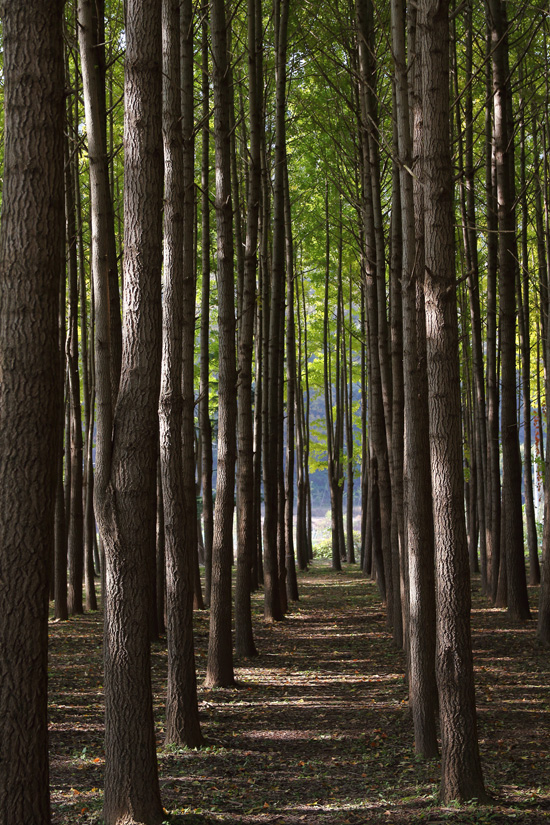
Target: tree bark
x=126 y=457
x=31 y=263
x=219 y=670
x=246 y=523
x=417 y=492
x=461 y=776
x=182 y=714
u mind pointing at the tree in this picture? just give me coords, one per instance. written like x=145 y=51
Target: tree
x=182 y=717
x=31 y=262
x=461 y=776
x=244 y=640
x=127 y=438
x=512 y=560
x=417 y=483
x=219 y=670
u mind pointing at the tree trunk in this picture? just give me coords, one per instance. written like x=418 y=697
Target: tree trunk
x=512 y=527
x=204 y=389
x=272 y=600
x=417 y=494
x=246 y=523
x=219 y=671
x=31 y=263
x=182 y=715
x=461 y=776
x=126 y=457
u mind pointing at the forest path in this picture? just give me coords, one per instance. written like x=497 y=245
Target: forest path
x=318 y=729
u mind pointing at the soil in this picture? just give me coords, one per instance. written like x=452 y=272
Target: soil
x=318 y=731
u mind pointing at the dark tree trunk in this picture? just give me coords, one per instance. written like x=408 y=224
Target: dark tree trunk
x=272 y=600
x=204 y=390
x=512 y=555
x=246 y=523
x=126 y=457
x=417 y=493
x=31 y=263
x=461 y=776
x=182 y=715
x=219 y=671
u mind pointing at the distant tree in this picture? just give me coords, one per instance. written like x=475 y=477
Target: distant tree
x=31 y=263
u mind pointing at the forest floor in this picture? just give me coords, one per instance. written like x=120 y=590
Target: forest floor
x=318 y=732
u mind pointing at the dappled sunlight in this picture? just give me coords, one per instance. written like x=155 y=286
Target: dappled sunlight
x=318 y=729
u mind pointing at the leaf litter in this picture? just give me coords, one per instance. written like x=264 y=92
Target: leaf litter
x=318 y=730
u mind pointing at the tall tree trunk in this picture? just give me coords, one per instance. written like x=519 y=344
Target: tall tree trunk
x=290 y=559
x=204 y=389
x=127 y=443
x=377 y=429
x=246 y=523
x=219 y=671
x=512 y=534
x=75 y=544
x=272 y=600
x=461 y=776
x=182 y=715
x=189 y=287
x=417 y=494
x=493 y=449
x=525 y=344
x=31 y=263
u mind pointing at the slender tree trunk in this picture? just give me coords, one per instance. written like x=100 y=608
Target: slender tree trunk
x=272 y=601
x=219 y=671
x=417 y=495
x=246 y=523
x=182 y=716
x=204 y=393
x=290 y=559
x=512 y=533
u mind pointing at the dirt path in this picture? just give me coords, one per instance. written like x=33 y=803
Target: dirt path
x=318 y=730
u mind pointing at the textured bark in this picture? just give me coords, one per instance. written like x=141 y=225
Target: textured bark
x=182 y=715
x=461 y=776
x=126 y=458
x=246 y=522
x=31 y=262
x=104 y=257
x=219 y=669
x=416 y=469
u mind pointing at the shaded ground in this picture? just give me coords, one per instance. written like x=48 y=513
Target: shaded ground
x=318 y=730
